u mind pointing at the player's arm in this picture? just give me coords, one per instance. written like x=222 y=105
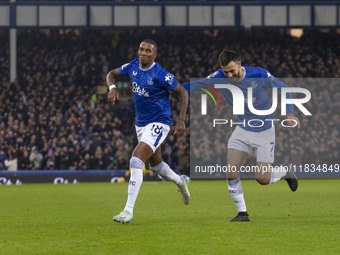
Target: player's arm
x=276 y=83
x=113 y=94
x=196 y=85
x=183 y=100
x=292 y=120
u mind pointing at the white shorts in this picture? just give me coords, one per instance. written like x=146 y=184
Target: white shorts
x=152 y=134
x=263 y=143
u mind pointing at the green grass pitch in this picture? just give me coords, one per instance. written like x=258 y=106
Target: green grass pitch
x=77 y=219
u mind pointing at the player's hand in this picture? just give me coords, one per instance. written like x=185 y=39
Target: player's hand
x=113 y=95
x=291 y=121
x=180 y=127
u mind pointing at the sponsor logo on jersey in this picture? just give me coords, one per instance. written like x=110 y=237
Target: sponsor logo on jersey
x=212 y=75
x=125 y=65
x=270 y=76
x=169 y=78
x=134 y=73
x=140 y=92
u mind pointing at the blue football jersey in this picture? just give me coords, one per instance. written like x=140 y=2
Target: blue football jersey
x=258 y=79
x=150 y=92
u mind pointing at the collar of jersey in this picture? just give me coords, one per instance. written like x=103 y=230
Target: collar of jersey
x=244 y=75
x=147 y=69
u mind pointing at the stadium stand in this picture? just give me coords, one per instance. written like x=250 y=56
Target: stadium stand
x=53 y=110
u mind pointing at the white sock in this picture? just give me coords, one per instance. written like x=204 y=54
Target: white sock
x=135 y=182
x=277 y=173
x=166 y=172
x=236 y=192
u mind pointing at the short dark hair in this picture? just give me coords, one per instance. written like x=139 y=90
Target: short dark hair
x=228 y=55
x=152 y=42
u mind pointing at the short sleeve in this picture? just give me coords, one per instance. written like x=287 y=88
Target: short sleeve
x=217 y=74
x=209 y=80
x=167 y=80
x=271 y=81
x=268 y=79
x=124 y=69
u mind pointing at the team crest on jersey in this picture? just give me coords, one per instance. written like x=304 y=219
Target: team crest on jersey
x=134 y=73
x=253 y=84
x=140 y=92
x=150 y=81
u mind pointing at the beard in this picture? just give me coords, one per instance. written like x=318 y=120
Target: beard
x=144 y=62
x=238 y=76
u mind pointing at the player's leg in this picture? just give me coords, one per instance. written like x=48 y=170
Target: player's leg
x=290 y=176
x=268 y=174
x=140 y=154
x=264 y=144
x=150 y=138
x=286 y=172
x=164 y=170
x=262 y=173
x=236 y=160
x=265 y=157
x=238 y=151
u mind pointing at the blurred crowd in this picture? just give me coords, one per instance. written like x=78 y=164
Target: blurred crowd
x=52 y=117
x=169 y=1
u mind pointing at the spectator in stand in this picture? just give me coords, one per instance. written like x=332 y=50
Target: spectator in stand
x=50 y=160
x=121 y=163
x=36 y=158
x=12 y=160
x=24 y=160
x=64 y=157
x=170 y=158
x=122 y=153
x=183 y=155
x=3 y=157
x=96 y=160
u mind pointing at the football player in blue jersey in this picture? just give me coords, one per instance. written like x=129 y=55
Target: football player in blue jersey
x=259 y=135
x=151 y=85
